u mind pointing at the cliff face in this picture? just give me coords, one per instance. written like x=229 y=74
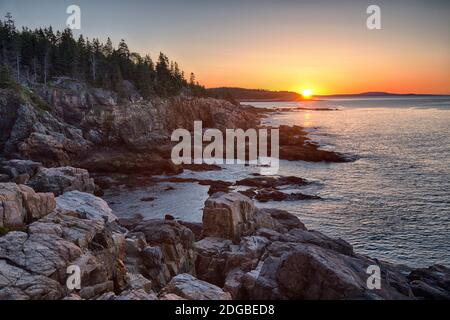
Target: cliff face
x=74 y=124
x=32 y=133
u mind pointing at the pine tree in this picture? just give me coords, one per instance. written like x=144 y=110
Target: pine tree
x=108 y=48
x=192 y=79
x=5 y=77
x=39 y=55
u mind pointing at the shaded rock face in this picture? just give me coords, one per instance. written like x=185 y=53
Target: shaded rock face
x=62 y=179
x=20 y=205
x=309 y=272
x=214 y=113
x=142 y=124
x=9 y=103
x=104 y=97
x=32 y=133
x=91 y=128
x=19 y=171
x=71 y=99
x=278 y=258
x=211 y=259
x=431 y=283
x=4 y=177
x=33 y=264
x=196 y=228
x=138 y=288
x=188 y=287
x=319 y=239
x=130 y=92
x=160 y=249
x=304 y=271
x=286 y=219
x=56 y=180
x=124 y=161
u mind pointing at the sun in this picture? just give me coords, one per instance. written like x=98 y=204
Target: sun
x=307 y=93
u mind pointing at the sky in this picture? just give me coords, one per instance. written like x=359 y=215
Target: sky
x=291 y=45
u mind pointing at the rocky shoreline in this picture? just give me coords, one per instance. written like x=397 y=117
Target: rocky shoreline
x=72 y=124
x=59 y=155
x=238 y=252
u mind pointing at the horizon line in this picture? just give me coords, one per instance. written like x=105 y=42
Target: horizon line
x=333 y=94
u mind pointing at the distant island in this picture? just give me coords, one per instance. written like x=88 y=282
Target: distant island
x=242 y=94
x=253 y=95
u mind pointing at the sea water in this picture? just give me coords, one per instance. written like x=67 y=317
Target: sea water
x=393 y=203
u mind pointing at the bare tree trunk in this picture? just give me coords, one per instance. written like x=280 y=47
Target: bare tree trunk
x=45 y=66
x=35 y=69
x=18 y=67
x=94 y=67
x=4 y=54
x=45 y=72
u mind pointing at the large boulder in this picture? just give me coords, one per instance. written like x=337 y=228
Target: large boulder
x=189 y=287
x=431 y=283
x=34 y=263
x=308 y=272
x=20 y=205
x=19 y=284
x=62 y=179
x=284 y=218
x=217 y=258
x=20 y=171
x=319 y=239
x=234 y=215
x=226 y=215
x=87 y=205
x=167 y=249
x=305 y=271
x=146 y=260
x=211 y=259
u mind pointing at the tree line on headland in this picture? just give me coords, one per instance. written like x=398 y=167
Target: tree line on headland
x=36 y=56
x=249 y=95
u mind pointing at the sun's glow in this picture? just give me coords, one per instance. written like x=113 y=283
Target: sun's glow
x=307 y=93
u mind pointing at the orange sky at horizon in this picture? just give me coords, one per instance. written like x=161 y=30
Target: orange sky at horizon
x=328 y=69
x=330 y=53
x=322 y=45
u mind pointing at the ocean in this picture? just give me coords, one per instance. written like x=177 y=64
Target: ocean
x=392 y=203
